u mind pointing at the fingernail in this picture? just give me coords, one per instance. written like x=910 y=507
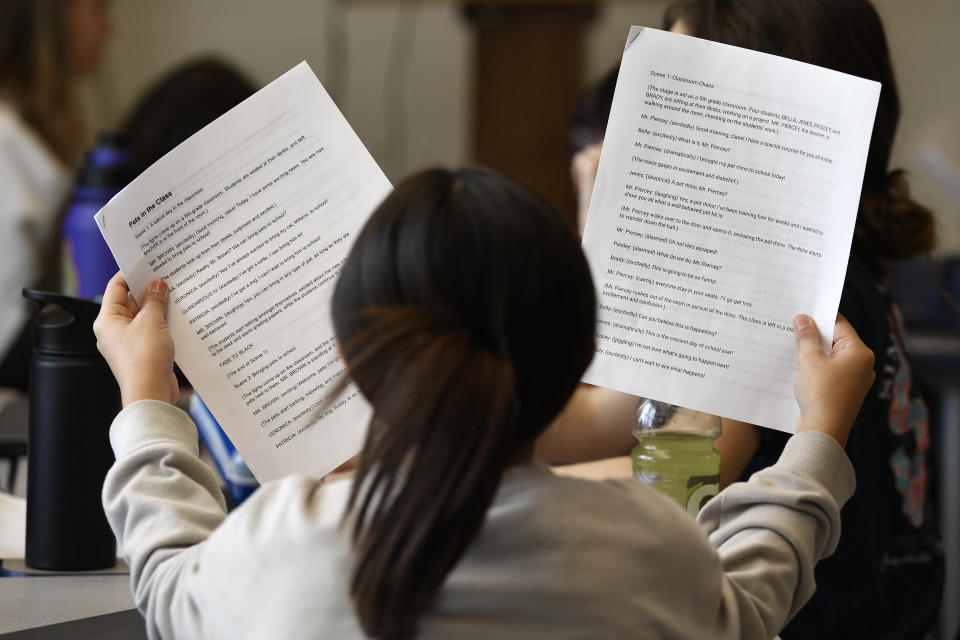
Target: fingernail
x=801 y=322
x=158 y=286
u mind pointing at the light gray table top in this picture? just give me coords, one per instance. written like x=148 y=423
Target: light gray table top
x=33 y=602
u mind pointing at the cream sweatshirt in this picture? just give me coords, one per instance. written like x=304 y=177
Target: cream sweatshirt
x=557 y=557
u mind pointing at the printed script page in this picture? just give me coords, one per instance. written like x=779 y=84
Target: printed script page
x=724 y=205
x=248 y=221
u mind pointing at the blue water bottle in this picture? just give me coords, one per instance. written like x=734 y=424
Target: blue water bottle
x=87 y=263
x=236 y=475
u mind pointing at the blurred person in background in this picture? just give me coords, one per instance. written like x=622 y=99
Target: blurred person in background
x=176 y=106
x=179 y=104
x=45 y=46
x=886 y=578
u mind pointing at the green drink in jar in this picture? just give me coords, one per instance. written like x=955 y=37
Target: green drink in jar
x=675 y=454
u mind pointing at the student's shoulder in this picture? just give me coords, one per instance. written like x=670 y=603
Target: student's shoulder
x=608 y=521
x=283 y=541
x=292 y=514
x=623 y=504
x=296 y=500
x=292 y=519
x=621 y=493
x=643 y=502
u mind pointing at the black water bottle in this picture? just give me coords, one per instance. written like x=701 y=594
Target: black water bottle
x=73 y=400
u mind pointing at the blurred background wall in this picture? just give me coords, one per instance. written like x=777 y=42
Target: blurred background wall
x=401 y=71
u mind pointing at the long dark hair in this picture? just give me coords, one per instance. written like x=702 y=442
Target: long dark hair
x=465 y=312
x=847 y=36
x=179 y=104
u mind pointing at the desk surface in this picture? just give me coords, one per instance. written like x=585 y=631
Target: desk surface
x=35 y=602
x=123 y=625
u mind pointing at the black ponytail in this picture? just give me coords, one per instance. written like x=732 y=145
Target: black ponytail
x=418 y=507
x=466 y=316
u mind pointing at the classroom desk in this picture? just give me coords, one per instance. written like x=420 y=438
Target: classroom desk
x=28 y=603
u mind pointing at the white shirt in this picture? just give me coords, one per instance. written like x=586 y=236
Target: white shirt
x=33 y=184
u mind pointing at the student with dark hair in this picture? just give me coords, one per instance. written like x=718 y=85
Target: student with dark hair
x=465 y=314
x=885 y=581
x=179 y=104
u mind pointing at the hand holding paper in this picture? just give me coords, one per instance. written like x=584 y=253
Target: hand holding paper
x=830 y=388
x=136 y=342
x=248 y=222
x=724 y=205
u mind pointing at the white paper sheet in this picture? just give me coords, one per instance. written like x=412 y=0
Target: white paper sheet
x=724 y=205
x=248 y=221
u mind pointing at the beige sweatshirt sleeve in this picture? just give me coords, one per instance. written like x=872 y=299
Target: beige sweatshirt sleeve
x=771 y=531
x=161 y=501
x=765 y=536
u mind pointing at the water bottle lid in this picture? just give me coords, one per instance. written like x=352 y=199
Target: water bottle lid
x=64 y=324
x=107 y=166
x=653 y=416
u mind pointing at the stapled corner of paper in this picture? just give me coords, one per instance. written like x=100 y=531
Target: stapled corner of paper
x=101 y=221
